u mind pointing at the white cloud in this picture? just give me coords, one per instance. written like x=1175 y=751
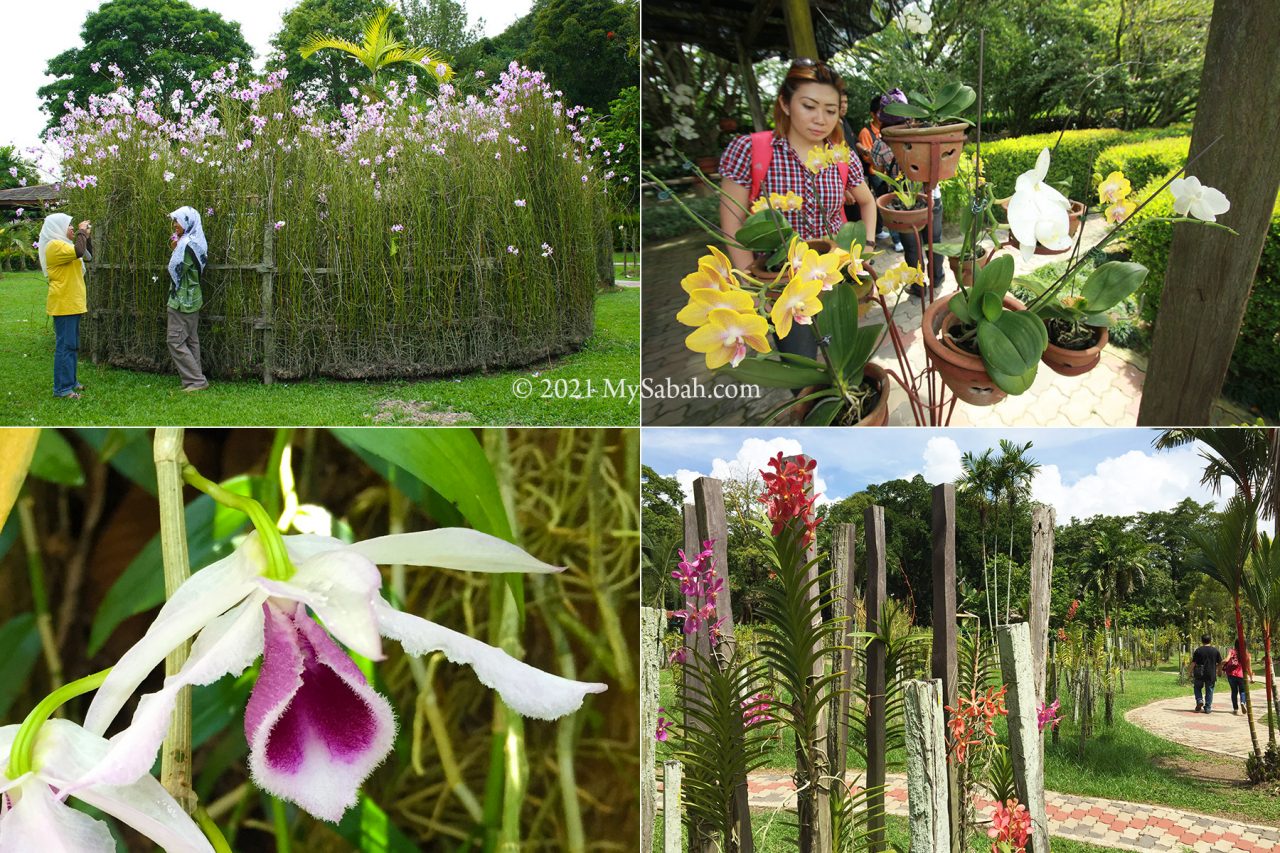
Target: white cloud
x=942 y=461
x=1123 y=485
x=752 y=457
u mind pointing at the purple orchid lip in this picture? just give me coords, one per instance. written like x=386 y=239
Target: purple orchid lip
x=315 y=727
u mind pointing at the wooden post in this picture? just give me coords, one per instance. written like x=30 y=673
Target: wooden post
x=268 y=290
x=1025 y=746
x=944 y=666
x=1198 y=325
x=672 y=811
x=651 y=621
x=928 y=797
x=800 y=29
x=751 y=86
x=1042 y=518
x=876 y=716
x=843 y=547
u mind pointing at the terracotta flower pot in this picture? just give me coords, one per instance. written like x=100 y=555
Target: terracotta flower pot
x=1074 y=362
x=879 y=415
x=709 y=165
x=903 y=220
x=914 y=149
x=963 y=372
x=1074 y=215
x=964 y=274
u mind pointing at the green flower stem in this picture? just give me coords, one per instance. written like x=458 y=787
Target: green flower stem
x=39 y=598
x=211 y=831
x=21 y=754
x=429 y=706
x=175 y=755
x=281 y=821
x=273 y=498
x=279 y=566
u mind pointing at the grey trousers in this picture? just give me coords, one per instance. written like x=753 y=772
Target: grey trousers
x=184 y=346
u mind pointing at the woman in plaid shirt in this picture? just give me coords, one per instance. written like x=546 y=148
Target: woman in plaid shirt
x=806 y=114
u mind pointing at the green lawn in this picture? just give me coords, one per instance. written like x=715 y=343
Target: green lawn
x=1120 y=762
x=119 y=397
x=626 y=266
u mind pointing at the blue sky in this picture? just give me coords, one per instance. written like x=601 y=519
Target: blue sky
x=1083 y=471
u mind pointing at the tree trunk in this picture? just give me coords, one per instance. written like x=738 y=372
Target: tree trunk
x=1210 y=272
x=1272 y=719
x=1244 y=663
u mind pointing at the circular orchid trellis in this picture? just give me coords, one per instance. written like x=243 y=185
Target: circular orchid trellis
x=408 y=235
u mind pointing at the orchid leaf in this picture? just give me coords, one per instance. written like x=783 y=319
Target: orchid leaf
x=824 y=412
x=992 y=305
x=1011 y=348
x=55 y=461
x=367 y=827
x=126 y=450
x=763 y=231
x=20 y=640
x=959 y=305
x=776 y=374
x=906 y=110
x=1112 y=283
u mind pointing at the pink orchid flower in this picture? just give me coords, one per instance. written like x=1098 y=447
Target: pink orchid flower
x=35 y=816
x=315 y=727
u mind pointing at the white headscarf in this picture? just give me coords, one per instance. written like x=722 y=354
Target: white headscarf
x=193 y=236
x=54 y=229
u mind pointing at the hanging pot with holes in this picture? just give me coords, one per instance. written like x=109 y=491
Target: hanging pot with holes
x=926 y=154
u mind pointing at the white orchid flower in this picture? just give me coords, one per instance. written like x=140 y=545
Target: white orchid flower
x=315 y=728
x=916 y=20
x=34 y=816
x=1038 y=212
x=1192 y=197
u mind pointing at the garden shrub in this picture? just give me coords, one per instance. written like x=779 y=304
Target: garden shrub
x=666 y=220
x=1142 y=161
x=407 y=236
x=1255 y=363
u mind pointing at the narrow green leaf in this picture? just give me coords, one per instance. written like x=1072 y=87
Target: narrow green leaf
x=126 y=450
x=906 y=110
x=775 y=374
x=55 y=461
x=368 y=828
x=20 y=640
x=436 y=507
x=450 y=461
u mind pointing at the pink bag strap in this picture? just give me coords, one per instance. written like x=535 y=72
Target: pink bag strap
x=761 y=157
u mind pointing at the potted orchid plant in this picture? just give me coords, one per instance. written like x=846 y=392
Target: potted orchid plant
x=733 y=312
x=928 y=146
x=905 y=207
x=978 y=225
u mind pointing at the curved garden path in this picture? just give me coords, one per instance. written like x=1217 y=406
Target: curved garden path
x=1105 y=823
x=1221 y=731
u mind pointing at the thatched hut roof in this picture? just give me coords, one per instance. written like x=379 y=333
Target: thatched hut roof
x=41 y=195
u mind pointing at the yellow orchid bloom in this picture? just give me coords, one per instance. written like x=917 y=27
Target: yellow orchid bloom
x=1119 y=211
x=838 y=154
x=824 y=269
x=795 y=254
x=899 y=276
x=778 y=201
x=719 y=263
x=792 y=201
x=706 y=277
x=726 y=336
x=854 y=261
x=797 y=303
x=1113 y=188
x=817 y=159
x=705 y=300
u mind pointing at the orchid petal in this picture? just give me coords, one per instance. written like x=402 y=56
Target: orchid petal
x=206 y=595
x=451 y=548
x=526 y=689
x=305 y=546
x=340 y=587
x=66 y=751
x=37 y=821
x=1042 y=165
x=315 y=727
x=226 y=647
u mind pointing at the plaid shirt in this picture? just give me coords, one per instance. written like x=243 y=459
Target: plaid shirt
x=787 y=173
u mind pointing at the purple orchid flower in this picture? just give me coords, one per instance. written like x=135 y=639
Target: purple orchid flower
x=315 y=728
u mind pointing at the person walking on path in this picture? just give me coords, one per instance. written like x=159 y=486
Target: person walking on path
x=63 y=250
x=1234 y=671
x=1206 y=662
x=186 y=264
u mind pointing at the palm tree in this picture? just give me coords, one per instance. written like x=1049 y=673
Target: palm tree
x=1262 y=592
x=1115 y=564
x=1015 y=473
x=979 y=480
x=1227 y=547
x=381 y=49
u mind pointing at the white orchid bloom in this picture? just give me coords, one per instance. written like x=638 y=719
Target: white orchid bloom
x=34 y=816
x=1038 y=212
x=315 y=728
x=1192 y=197
x=916 y=20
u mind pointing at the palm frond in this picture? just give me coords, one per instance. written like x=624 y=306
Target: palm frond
x=321 y=42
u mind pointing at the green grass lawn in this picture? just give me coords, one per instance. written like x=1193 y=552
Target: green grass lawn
x=119 y=397
x=626 y=266
x=1120 y=762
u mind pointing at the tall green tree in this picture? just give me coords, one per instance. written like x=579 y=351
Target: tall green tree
x=16 y=169
x=1015 y=473
x=161 y=44
x=586 y=48
x=981 y=482
x=443 y=24
x=1262 y=592
x=662 y=533
x=379 y=49
x=1115 y=563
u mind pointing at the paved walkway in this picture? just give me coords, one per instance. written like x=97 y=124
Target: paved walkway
x=1106 y=396
x=1106 y=823
x=1221 y=731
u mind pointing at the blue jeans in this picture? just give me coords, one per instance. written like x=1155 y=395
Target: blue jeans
x=66 y=334
x=1239 y=694
x=1208 y=693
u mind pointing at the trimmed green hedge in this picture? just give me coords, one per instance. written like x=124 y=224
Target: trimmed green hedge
x=1251 y=379
x=1144 y=161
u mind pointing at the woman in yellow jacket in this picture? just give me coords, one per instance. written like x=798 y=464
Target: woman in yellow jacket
x=62 y=253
